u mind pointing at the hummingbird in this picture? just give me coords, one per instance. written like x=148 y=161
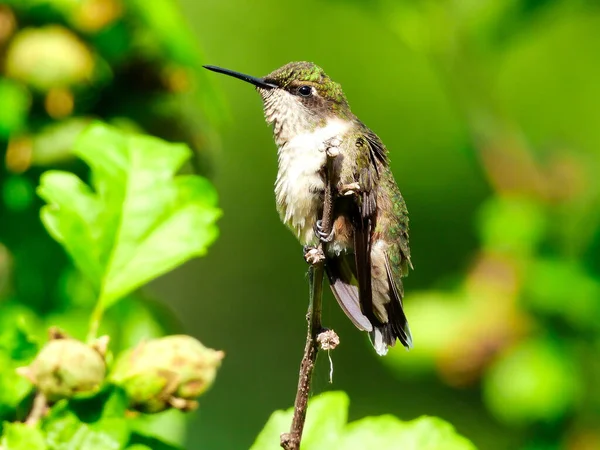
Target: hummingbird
x=367 y=252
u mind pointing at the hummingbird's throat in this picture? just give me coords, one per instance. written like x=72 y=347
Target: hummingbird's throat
x=288 y=115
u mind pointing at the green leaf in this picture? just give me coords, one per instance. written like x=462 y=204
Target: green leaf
x=64 y=431
x=110 y=402
x=139 y=221
x=116 y=404
x=18 y=436
x=168 y=426
x=278 y=423
x=424 y=433
x=326 y=428
x=329 y=415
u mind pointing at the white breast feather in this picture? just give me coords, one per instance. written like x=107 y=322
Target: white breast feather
x=298 y=179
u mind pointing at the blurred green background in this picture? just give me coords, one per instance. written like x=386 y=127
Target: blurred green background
x=489 y=109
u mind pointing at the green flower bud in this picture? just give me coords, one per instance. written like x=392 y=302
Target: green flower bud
x=168 y=372
x=67 y=367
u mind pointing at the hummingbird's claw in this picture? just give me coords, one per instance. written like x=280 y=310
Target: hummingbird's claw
x=333 y=152
x=349 y=189
x=313 y=255
x=331 y=147
x=321 y=233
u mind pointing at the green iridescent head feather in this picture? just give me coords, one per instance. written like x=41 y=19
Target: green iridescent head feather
x=307 y=72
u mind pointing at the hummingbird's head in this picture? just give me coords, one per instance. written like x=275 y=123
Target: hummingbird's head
x=298 y=96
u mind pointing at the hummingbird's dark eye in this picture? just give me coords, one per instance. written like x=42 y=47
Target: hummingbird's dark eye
x=304 y=91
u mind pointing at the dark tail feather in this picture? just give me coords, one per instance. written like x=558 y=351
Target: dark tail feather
x=385 y=335
x=398 y=324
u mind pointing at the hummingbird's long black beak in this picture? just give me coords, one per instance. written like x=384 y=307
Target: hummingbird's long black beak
x=260 y=82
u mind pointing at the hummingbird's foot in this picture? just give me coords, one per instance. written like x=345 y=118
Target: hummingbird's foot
x=349 y=189
x=331 y=147
x=321 y=233
x=313 y=255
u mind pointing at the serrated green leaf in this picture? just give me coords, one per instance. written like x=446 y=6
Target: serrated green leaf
x=18 y=436
x=139 y=221
x=73 y=219
x=326 y=428
x=424 y=433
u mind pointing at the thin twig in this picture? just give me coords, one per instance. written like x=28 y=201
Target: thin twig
x=291 y=440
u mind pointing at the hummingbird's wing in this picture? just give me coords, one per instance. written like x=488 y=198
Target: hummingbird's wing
x=377 y=151
x=380 y=243
x=371 y=157
x=350 y=275
x=392 y=229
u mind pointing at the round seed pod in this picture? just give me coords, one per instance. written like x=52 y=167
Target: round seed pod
x=169 y=372
x=65 y=368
